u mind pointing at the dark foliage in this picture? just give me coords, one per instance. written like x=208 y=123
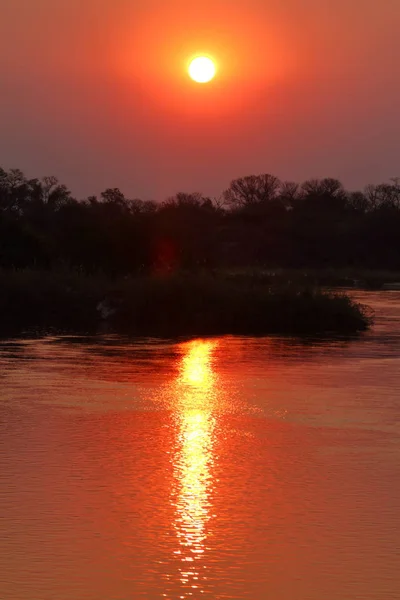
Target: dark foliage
x=171 y=305
x=259 y=221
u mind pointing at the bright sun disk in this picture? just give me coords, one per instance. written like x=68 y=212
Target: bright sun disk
x=202 y=69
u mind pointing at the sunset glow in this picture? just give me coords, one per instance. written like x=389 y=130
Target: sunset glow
x=202 y=69
x=200 y=267
x=295 y=87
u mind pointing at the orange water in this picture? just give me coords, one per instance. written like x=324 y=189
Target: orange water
x=229 y=468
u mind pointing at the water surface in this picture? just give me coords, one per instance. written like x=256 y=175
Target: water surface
x=228 y=468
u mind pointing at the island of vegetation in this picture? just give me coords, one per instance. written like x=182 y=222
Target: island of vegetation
x=257 y=260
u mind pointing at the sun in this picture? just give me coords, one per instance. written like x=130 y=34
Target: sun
x=202 y=69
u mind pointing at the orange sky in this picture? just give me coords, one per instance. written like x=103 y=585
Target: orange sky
x=96 y=92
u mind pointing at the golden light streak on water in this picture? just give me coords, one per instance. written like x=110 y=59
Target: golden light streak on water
x=196 y=398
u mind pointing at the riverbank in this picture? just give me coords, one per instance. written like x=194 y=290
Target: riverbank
x=174 y=305
x=344 y=278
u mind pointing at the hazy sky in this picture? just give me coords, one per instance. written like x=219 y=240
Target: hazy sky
x=96 y=92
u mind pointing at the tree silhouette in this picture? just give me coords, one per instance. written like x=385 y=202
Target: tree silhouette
x=258 y=220
x=251 y=190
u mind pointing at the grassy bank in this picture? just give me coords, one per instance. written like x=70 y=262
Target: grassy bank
x=172 y=305
x=366 y=279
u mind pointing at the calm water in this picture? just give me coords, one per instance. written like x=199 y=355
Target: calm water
x=230 y=468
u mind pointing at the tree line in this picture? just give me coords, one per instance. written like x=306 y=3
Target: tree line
x=258 y=221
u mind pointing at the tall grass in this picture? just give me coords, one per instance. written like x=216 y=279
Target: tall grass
x=368 y=279
x=173 y=305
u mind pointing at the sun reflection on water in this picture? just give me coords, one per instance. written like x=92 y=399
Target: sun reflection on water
x=196 y=400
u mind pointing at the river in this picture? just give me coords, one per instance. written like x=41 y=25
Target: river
x=227 y=468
